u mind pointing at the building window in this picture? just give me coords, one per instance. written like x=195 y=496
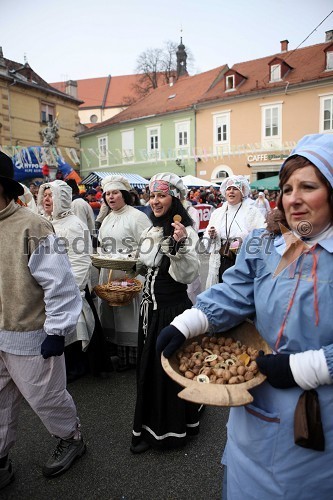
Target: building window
x=329 y=61
x=93 y=119
x=326 y=114
x=221 y=133
x=230 y=82
x=47 y=112
x=153 y=142
x=182 y=130
x=222 y=174
x=127 y=145
x=275 y=75
x=272 y=125
x=103 y=150
x=271 y=122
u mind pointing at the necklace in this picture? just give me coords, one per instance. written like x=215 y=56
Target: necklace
x=227 y=230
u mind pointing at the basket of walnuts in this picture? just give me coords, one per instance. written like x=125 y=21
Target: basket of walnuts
x=218 y=369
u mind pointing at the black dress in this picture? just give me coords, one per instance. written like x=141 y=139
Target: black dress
x=161 y=417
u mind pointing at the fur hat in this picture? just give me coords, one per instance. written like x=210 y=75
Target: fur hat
x=169 y=183
x=318 y=149
x=115 y=182
x=7 y=175
x=238 y=181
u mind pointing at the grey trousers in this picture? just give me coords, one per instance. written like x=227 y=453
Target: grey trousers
x=42 y=383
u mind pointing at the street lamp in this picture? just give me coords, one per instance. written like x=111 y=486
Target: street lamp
x=180 y=164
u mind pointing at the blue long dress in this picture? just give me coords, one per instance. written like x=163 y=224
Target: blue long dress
x=262 y=459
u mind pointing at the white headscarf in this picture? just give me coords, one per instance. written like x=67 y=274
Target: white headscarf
x=238 y=181
x=113 y=182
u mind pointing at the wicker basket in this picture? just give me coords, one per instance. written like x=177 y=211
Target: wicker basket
x=117 y=295
x=115 y=264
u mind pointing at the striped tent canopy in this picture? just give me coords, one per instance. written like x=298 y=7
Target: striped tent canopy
x=135 y=180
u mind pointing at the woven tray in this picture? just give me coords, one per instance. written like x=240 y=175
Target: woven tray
x=214 y=394
x=117 y=295
x=110 y=263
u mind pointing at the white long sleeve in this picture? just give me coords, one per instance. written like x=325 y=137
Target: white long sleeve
x=191 y=323
x=310 y=369
x=50 y=267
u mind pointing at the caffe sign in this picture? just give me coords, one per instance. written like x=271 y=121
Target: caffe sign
x=266 y=157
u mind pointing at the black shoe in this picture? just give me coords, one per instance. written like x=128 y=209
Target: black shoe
x=76 y=374
x=6 y=474
x=66 y=451
x=141 y=447
x=124 y=368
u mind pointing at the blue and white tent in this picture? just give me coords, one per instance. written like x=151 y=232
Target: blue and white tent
x=135 y=180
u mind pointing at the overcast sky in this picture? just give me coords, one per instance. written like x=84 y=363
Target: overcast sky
x=76 y=39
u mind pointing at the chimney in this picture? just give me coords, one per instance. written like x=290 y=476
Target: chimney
x=329 y=36
x=28 y=72
x=71 y=88
x=3 y=67
x=284 y=45
x=2 y=61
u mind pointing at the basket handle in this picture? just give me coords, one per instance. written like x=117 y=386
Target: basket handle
x=109 y=278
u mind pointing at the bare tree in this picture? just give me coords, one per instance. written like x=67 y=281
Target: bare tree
x=169 y=61
x=155 y=67
x=149 y=65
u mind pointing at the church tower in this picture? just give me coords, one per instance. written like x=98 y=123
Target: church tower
x=181 y=59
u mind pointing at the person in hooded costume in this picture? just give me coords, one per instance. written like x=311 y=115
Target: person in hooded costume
x=55 y=203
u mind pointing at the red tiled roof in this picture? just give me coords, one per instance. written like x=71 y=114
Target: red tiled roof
x=307 y=64
x=115 y=90
x=165 y=99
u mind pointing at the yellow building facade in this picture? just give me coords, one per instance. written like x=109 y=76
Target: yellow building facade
x=255 y=116
x=28 y=104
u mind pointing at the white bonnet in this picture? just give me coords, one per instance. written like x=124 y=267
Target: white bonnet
x=115 y=182
x=170 y=183
x=238 y=181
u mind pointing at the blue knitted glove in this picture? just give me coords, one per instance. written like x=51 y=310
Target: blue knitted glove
x=53 y=345
x=277 y=370
x=169 y=340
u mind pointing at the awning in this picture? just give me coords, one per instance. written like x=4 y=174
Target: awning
x=191 y=181
x=135 y=180
x=270 y=183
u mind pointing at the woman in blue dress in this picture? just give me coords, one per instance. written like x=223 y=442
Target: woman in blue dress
x=284 y=282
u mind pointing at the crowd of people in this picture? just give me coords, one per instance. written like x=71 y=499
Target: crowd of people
x=214 y=197
x=56 y=330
